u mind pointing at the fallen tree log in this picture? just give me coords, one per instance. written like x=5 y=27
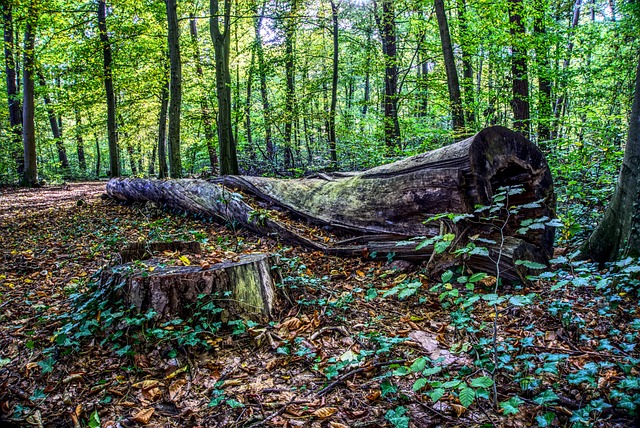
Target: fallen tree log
x=378 y=210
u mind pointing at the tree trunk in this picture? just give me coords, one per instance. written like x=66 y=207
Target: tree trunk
x=334 y=90
x=30 y=177
x=387 y=26
x=619 y=232
x=545 y=112
x=266 y=110
x=55 y=126
x=15 y=110
x=247 y=106
x=467 y=66
x=561 y=103
x=221 y=41
x=175 y=100
x=207 y=121
x=112 y=130
x=457 y=112
x=162 y=131
x=520 y=80
x=82 y=162
x=290 y=100
x=393 y=201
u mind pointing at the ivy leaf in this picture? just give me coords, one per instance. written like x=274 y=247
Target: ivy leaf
x=397 y=418
x=546 y=420
x=466 y=396
x=510 y=407
x=546 y=397
x=94 y=420
x=477 y=277
x=387 y=388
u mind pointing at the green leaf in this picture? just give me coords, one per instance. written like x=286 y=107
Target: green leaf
x=545 y=397
x=397 y=418
x=387 y=388
x=436 y=394
x=431 y=370
x=94 y=420
x=477 y=277
x=466 y=396
x=546 y=420
x=446 y=277
x=482 y=382
x=234 y=403
x=530 y=265
x=510 y=407
x=419 y=384
x=418 y=365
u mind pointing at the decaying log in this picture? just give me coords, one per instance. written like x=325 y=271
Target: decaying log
x=242 y=289
x=146 y=250
x=378 y=210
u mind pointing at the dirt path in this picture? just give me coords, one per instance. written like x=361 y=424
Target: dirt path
x=19 y=200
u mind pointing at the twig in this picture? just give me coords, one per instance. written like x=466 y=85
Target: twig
x=278 y=412
x=333 y=384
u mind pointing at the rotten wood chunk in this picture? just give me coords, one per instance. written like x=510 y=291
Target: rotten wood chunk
x=242 y=288
x=146 y=250
x=380 y=210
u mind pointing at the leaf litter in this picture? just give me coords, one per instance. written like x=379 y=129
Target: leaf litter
x=361 y=344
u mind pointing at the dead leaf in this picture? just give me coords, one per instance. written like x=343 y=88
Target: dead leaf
x=374 y=395
x=176 y=389
x=337 y=425
x=325 y=412
x=146 y=384
x=152 y=394
x=458 y=409
x=143 y=416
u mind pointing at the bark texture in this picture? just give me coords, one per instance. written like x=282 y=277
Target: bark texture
x=619 y=232
x=378 y=210
x=30 y=176
x=242 y=288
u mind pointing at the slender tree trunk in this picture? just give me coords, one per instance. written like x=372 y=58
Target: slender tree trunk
x=520 y=80
x=545 y=112
x=467 y=66
x=30 y=177
x=175 y=100
x=387 y=24
x=112 y=130
x=221 y=42
x=82 y=162
x=205 y=112
x=98 y=157
x=334 y=89
x=162 y=131
x=619 y=232
x=290 y=101
x=457 y=112
x=247 y=106
x=264 y=95
x=367 y=74
x=561 y=102
x=15 y=110
x=55 y=126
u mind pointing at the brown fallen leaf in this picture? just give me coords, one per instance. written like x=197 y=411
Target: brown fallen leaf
x=458 y=409
x=152 y=394
x=143 y=416
x=325 y=412
x=374 y=395
x=176 y=389
x=337 y=425
x=146 y=384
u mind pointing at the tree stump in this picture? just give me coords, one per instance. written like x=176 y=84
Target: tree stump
x=146 y=250
x=242 y=288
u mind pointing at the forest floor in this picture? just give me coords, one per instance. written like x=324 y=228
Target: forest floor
x=361 y=344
